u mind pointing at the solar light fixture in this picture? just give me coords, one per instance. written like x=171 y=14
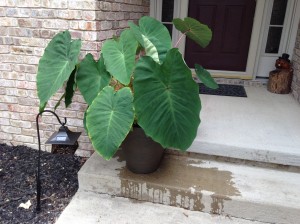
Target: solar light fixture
x=62 y=137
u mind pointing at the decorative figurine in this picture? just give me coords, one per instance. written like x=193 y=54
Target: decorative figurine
x=280 y=79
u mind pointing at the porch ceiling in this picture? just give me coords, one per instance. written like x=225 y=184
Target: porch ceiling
x=262 y=127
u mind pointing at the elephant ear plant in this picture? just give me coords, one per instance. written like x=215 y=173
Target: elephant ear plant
x=139 y=78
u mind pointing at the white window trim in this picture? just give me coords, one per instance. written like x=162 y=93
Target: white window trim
x=283 y=46
x=288 y=39
x=294 y=27
x=180 y=11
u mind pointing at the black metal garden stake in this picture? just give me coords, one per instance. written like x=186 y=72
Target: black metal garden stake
x=63 y=137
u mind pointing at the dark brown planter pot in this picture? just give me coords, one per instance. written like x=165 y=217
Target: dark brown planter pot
x=142 y=154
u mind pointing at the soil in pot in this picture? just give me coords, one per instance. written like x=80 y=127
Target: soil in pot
x=142 y=154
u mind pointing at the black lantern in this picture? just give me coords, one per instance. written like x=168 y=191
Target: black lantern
x=62 y=137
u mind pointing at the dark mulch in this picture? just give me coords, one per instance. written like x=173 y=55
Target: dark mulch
x=18 y=184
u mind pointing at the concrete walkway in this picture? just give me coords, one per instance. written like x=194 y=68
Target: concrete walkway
x=262 y=127
x=92 y=208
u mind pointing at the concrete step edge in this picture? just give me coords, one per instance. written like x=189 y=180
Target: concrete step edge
x=232 y=196
x=90 y=207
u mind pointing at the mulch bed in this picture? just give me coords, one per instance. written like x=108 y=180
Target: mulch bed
x=18 y=184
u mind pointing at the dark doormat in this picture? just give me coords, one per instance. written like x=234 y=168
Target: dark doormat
x=224 y=90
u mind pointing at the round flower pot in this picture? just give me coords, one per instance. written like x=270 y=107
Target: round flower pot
x=142 y=154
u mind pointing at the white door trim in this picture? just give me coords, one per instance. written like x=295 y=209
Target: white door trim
x=294 y=28
x=265 y=61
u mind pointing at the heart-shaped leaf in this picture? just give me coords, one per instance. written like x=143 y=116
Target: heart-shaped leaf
x=70 y=88
x=109 y=119
x=56 y=65
x=84 y=121
x=91 y=77
x=167 y=95
x=58 y=102
x=119 y=56
x=195 y=30
x=205 y=77
x=69 y=91
x=153 y=36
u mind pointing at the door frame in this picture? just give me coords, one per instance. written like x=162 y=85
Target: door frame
x=181 y=11
x=288 y=38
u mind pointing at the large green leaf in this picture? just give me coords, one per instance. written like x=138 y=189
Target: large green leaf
x=70 y=88
x=84 y=121
x=205 y=77
x=195 y=30
x=58 y=102
x=91 y=77
x=153 y=36
x=119 y=56
x=109 y=120
x=69 y=91
x=56 y=65
x=166 y=100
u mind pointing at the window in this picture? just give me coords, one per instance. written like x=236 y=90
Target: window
x=276 y=26
x=165 y=11
x=167 y=14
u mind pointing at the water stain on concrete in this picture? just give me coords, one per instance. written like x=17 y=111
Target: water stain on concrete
x=217 y=205
x=152 y=192
x=179 y=183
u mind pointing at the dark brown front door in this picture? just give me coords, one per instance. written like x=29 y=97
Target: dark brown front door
x=231 y=22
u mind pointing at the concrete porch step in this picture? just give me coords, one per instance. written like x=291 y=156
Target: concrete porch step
x=265 y=194
x=263 y=127
x=90 y=208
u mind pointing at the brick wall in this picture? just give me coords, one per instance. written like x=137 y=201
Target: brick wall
x=26 y=26
x=296 y=66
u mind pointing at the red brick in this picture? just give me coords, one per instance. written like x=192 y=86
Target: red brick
x=7 y=83
x=66 y=113
x=3 y=107
x=88 y=15
x=10 y=129
x=105 y=6
x=30 y=132
x=105 y=25
x=21 y=50
x=27 y=117
x=23 y=138
x=12 y=75
x=2 y=91
x=3 y=31
x=5 y=67
x=4 y=121
x=83 y=5
x=25 y=85
x=10 y=91
x=20 y=124
x=6 y=136
x=28 y=101
x=8 y=99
